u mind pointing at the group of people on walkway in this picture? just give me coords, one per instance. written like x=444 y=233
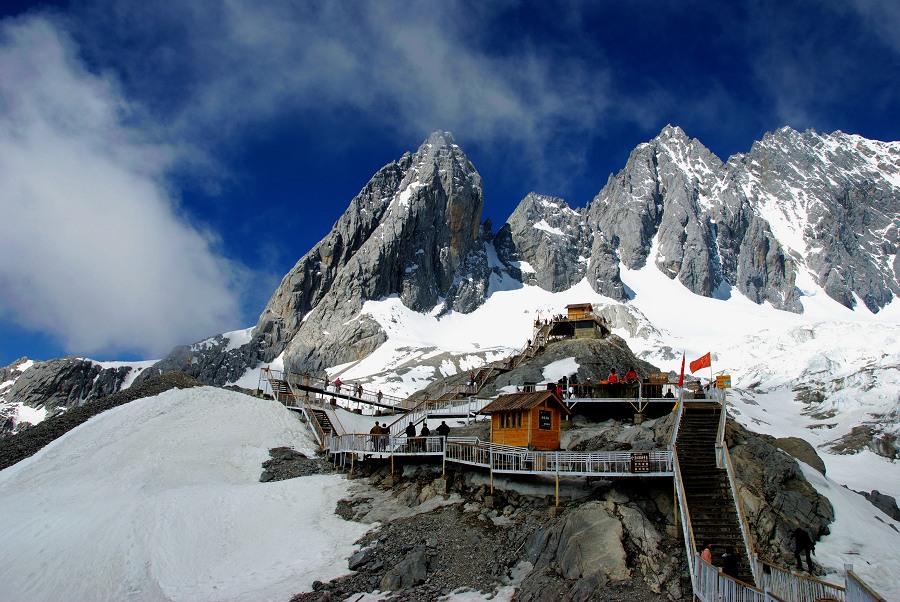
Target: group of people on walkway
x=803 y=543
x=729 y=559
x=416 y=442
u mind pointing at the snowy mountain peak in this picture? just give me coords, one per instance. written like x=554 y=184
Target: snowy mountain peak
x=799 y=213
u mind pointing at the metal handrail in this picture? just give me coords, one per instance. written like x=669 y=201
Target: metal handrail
x=678 y=416
x=858 y=591
x=322 y=385
x=311 y=419
x=368 y=443
x=711 y=585
x=793 y=586
x=686 y=526
x=739 y=508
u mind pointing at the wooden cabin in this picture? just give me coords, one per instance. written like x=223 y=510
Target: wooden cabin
x=584 y=323
x=532 y=420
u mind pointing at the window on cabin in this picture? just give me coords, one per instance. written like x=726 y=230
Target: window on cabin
x=511 y=420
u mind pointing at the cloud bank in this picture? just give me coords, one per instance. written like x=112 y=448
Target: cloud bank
x=92 y=248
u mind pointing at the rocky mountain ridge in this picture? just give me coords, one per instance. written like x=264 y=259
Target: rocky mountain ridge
x=805 y=206
x=798 y=210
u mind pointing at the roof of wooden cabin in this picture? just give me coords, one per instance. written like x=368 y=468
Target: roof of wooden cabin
x=522 y=401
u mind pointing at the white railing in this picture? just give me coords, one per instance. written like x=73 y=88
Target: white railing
x=738 y=505
x=505 y=458
x=857 y=590
x=430 y=407
x=711 y=585
x=687 y=528
x=468 y=450
x=799 y=588
x=678 y=416
x=384 y=444
x=650 y=463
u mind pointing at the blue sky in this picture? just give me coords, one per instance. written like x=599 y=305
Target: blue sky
x=164 y=164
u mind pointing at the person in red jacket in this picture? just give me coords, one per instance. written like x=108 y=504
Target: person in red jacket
x=613 y=378
x=631 y=376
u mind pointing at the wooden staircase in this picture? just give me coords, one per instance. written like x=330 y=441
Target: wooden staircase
x=324 y=421
x=710 y=503
x=280 y=388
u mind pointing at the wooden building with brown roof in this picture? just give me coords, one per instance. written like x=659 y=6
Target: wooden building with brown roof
x=532 y=420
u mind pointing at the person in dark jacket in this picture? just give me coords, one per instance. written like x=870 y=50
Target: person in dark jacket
x=730 y=562
x=426 y=432
x=412 y=443
x=443 y=430
x=803 y=543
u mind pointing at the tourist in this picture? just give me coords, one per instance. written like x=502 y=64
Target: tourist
x=730 y=562
x=412 y=443
x=803 y=543
x=443 y=430
x=378 y=396
x=613 y=378
x=669 y=394
x=631 y=376
x=426 y=432
x=706 y=554
x=337 y=385
x=376 y=436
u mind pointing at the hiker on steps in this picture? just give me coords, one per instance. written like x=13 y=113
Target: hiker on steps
x=803 y=543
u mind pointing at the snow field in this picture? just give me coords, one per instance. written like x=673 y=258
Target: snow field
x=160 y=499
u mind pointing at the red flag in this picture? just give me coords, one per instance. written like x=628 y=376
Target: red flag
x=703 y=362
x=681 y=378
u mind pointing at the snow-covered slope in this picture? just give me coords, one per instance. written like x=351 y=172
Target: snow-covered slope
x=160 y=499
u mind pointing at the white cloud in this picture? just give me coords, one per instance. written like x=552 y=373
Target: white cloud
x=411 y=67
x=92 y=249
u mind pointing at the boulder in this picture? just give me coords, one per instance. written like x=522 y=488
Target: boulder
x=802 y=450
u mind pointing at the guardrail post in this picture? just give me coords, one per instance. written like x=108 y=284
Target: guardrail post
x=557 y=479
x=491 y=460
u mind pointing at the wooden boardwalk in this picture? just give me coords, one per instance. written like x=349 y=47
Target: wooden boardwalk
x=708 y=583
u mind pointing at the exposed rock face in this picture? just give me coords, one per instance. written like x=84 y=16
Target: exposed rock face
x=424 y=247
x=885 y=503
x=802 y=450
x=775 y=495
x=823 y=204
x=29 y=440
x=797 y=203
x=842 y=193
x=215 y=361
x=65 y=382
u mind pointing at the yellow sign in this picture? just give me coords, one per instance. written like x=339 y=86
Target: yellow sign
x=723 y=381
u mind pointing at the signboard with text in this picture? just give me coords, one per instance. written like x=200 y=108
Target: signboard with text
x=545 y=420
x=640 y=462
x=723 y=381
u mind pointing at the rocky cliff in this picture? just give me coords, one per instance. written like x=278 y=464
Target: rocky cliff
x=799 y=208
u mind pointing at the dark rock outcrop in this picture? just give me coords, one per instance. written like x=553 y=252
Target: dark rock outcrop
x=776 y=497
x=28 y=441
x=65 y=383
